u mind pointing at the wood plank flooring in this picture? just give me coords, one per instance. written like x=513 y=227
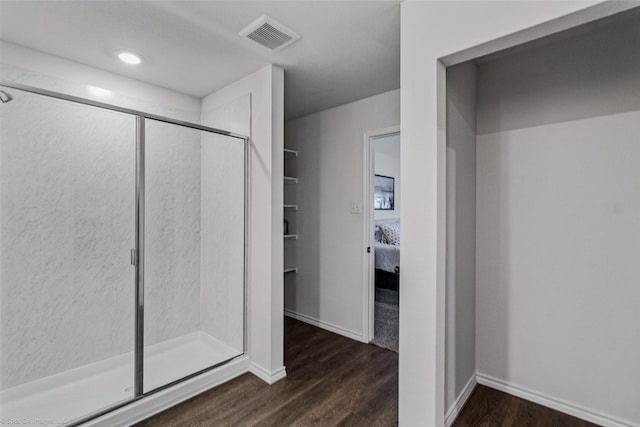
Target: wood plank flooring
x=489 y=407
x=335 y=381
x=331 y=381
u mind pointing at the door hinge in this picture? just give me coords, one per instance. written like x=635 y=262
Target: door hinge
x=134 y=257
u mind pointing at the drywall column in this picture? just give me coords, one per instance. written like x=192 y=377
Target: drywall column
x=461 y=234
x=265 y=282
x=429 y=31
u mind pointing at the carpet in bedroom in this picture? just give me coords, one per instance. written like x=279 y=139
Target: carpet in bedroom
x=386 y=319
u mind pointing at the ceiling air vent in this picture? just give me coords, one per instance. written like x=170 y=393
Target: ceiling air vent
x=269 y=34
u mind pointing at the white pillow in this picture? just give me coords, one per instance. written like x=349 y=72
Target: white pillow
x=391 y=232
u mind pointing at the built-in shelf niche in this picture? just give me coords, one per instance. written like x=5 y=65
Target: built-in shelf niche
x=290 y=210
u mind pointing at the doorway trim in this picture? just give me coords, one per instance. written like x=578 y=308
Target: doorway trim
x=368 y=264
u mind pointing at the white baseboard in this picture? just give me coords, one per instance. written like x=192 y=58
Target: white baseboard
x=454 y=411
x=266 y=376
x=552 y=402
x=325 y=325
x=162 y=400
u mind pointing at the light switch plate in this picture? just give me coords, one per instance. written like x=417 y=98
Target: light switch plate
x=355 y=207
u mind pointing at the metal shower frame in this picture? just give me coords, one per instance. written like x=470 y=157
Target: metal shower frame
x=137 y=253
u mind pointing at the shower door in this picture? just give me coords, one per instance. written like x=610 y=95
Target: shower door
x=67 y=224
x=194 y=192
x=86 y=191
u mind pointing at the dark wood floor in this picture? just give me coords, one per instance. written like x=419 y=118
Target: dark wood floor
x=331 y=381
x=335 y=381
x=489 y=407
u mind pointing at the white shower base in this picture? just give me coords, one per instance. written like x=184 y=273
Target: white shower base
x=77 y=393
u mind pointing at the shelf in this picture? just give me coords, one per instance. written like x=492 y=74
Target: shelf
x=289 y=155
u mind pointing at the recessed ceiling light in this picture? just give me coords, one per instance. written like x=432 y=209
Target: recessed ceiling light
x=129 y=58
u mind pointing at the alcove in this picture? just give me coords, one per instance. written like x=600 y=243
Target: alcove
x=543 y=222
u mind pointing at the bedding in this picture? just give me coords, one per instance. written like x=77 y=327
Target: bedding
x=387 y=257
x=386 y=247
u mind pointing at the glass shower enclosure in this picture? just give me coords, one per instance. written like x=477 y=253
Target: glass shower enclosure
x=122 y=254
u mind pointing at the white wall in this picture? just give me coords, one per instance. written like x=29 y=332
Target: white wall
x=329 y=283
x=387 y=163
x=265 y=281
x=429 y=31
x=558 y=238
x=461 y=231
x=558 y=230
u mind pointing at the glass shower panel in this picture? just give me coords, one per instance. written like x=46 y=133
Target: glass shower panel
x=67 y=224
x=194 y=251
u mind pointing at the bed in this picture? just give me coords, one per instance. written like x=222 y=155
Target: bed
x=386 y=256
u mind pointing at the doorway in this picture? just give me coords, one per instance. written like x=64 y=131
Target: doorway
x=382 y=237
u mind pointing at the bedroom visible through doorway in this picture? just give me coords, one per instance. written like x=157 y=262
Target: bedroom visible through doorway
x=383 y=206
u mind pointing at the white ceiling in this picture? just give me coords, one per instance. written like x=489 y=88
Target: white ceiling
x=349 y=49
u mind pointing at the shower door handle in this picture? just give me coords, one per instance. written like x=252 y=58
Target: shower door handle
x=134 y=257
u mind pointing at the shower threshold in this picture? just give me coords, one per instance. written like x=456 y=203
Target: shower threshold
x=62 y=398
